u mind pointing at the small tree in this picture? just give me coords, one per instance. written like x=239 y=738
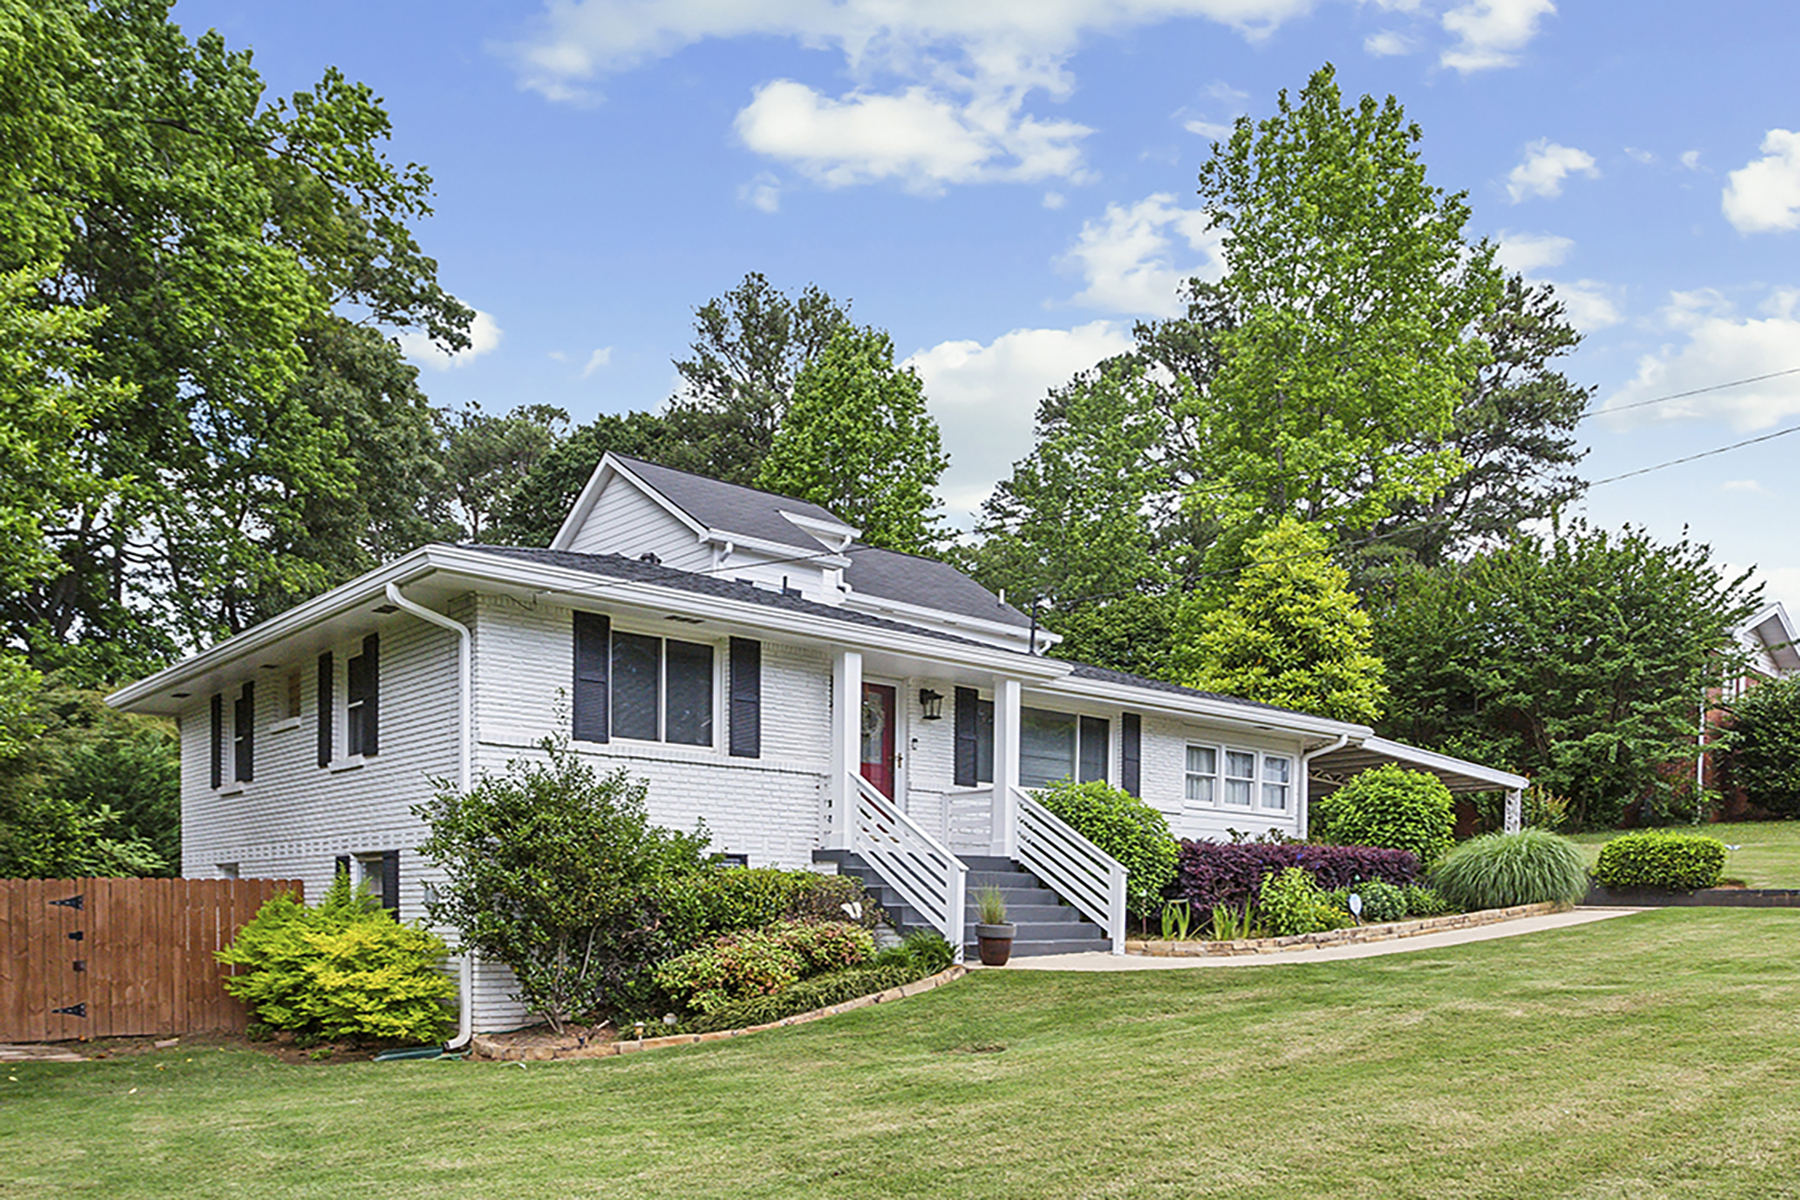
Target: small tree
x=556 y=871
x=1292 y=633
x=857 y=439
x=1764 y=745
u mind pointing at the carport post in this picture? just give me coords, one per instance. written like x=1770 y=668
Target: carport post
x=1515 y=810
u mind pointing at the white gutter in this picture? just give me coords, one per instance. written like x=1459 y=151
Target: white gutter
x=465 y=1021
x=1303 y=815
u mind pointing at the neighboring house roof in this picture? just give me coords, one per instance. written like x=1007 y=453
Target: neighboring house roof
x=926 y=583
x=1772 y=630
x=731 y=508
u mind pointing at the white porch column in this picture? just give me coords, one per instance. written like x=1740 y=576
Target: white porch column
x=1515 y=810
x=846 y=745
x=1006 y=767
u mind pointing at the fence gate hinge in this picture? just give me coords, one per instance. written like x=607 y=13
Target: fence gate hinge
x=73 y=902
x=80 y=964
x=74 y=1010
x=75 y=935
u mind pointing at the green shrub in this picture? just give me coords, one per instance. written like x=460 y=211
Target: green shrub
x=1763 y=745
x=1381 y=901
x=1126 y=828
x=1424 y=901
x=1391 y=807
x=1499 y=870
x=345 y=969
x=1291 y=903
x=760 y=962
x=732 y=898
x=1667 y=861
x=805 y=996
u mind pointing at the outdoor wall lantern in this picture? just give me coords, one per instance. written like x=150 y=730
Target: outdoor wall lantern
x=932 y=705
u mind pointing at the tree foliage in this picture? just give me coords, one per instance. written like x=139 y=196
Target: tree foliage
x=487 y=458
x=857 y=440
x=1388 y=806
x=1763 y=745
x=750 y=346
x=1352 y=298
x=556 y=871
x=1578 y=659
x=214 y=231
x=1291 y=633
x=533 y=509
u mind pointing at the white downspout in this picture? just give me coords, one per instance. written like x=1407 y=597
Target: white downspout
x=1304 y=816
x=465 y=1021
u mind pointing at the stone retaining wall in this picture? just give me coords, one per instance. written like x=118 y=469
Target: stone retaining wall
x=487 y=1047
x=1337 y=937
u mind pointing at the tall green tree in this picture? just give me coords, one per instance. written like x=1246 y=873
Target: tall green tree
x=749 y=348
x=534 y=509
x=1579 y=659
x=1291 y=634
x=214 y=230
x=1080 y=529
x=487 y=457
x=1347 y=316
x=856 y=438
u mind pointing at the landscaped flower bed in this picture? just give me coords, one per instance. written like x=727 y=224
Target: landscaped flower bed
x=1158 y=948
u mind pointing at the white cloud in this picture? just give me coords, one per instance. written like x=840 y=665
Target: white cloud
x=918 y=137
x=964 y=72
x=1591 y=305
x=484 y=337
x=1128 y=257
x=985 y=397
x=1779 y=583
x=1388 y=44
x=1764 y=196
x=596 y=360
x=1492 y=32
x=1638 y=155
x=1054 y=200
x=1526 y=252
x=1716 y=346
x=763 y=192
x=1745 y=485
x=1214 y=131
x=1545 y=167
x=1691 y=159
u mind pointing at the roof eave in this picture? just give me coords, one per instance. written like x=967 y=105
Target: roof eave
x=1218 y=711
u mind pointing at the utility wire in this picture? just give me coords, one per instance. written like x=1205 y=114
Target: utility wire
x=1717 y=387
x=1674 y=462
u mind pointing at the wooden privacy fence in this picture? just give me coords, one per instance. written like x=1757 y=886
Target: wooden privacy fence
x=82 y=958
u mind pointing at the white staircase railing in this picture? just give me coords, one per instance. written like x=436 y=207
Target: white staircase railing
x=969 y=820
x=909 y=860
x=1076 y=869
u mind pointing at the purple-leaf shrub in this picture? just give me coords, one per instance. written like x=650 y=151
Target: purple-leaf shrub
x=1209 y=874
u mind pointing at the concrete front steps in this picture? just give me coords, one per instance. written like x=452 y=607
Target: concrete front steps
x=1046 y=924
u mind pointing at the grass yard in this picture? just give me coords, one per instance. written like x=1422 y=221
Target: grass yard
x=1653 y=1055
x=1768 y=854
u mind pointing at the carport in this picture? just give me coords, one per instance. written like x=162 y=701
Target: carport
x=1331 y=769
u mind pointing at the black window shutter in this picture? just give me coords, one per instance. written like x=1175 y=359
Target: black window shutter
x=244 y=729
x=325 y=709
x=593 y=700
x=371 y=652
x=967 y=700
x=1131 y=752
x=218 y=740
x=746 y=698
x=390 y=882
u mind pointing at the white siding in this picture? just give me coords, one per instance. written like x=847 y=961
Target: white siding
x=626 y=521
x=1164 y=779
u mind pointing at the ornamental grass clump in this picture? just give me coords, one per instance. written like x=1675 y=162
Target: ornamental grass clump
x=1500 y=870
x=1661 y=859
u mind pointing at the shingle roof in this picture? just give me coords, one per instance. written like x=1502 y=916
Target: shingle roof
x=617 y=566
x=926 y=583
x=1126 y=679
x=731 y=508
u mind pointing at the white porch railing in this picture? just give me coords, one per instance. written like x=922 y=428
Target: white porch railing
x=909 y=860
x=969 y=820
x=1076 y=869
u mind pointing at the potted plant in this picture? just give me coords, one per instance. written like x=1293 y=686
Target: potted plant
x=993 y=935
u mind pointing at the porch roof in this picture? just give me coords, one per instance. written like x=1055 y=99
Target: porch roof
x=1332 y=770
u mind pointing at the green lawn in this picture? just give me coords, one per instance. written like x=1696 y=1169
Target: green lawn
x=1768 y=854
x=1650 y=1055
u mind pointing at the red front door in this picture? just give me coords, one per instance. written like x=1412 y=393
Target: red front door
x=878 y=702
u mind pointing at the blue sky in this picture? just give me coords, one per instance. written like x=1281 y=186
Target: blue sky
x=1005 y=185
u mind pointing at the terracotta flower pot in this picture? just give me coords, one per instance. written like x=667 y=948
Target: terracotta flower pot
x=995 y=943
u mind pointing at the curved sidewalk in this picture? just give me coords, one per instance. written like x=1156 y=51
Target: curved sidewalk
x=1099 y=961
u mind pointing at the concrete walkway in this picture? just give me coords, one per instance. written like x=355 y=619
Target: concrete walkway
x=1094 y=961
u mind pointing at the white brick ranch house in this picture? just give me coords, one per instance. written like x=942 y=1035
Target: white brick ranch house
x=816 y=701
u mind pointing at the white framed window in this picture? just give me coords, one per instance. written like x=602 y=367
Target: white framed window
x=1058 y=745
x=1202 y=776
x=1240 y=779
x=1277 y=777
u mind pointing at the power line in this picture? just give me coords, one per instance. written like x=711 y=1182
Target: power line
x=1717 y=387
x=1675 y=462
